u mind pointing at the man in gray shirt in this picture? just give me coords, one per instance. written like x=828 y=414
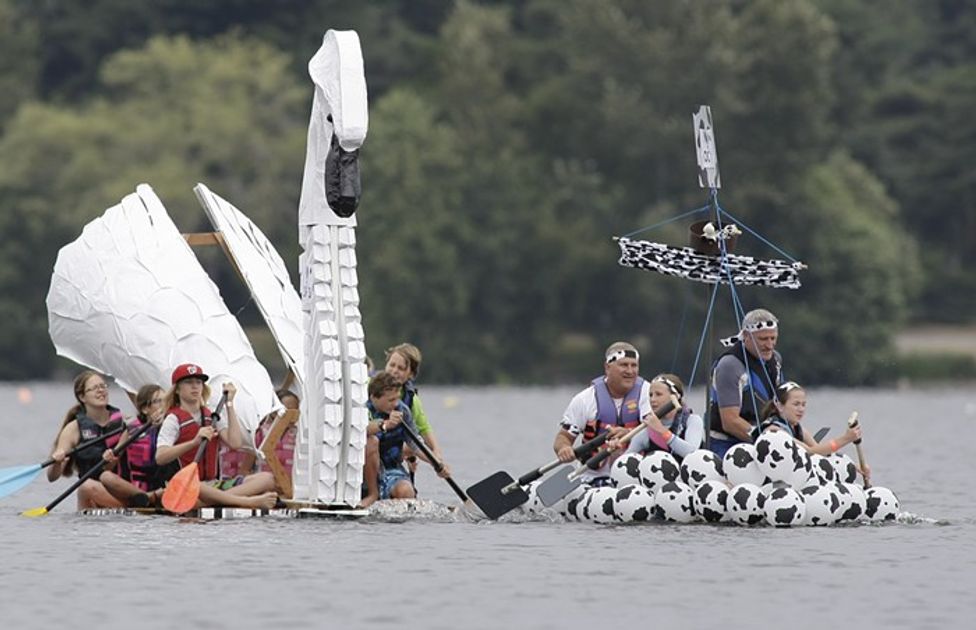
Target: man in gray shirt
x=743 y=379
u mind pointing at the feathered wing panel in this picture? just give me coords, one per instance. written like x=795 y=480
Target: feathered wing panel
x=129 y=298
x=265 y=274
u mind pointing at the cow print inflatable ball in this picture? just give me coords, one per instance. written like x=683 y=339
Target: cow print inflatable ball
x=710 y=499
x=534 y=505
x=626 y=469
x=657 y=469
x=567 y=505
x=675 y=502
x=857 y=510
x=846 y=498
x=784 y=507
x=882 y=504
x=633 y=503
x=739 y=465
x=776 y=455
x=845 y=468
x=701 y=465
x=599 y=508
x=823 y=468
x=822 y=505
x=744 y=504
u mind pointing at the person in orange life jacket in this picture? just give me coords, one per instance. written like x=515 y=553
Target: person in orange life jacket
x=785 y=412
x=743 y=379
x=91 y=417
x=387 y=443
x=403 y=362
x=614 y=403
x=188 y=422
x=681 y=430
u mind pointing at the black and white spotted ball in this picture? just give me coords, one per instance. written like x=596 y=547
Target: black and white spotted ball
x=823 y=468
x=784 y=507
x=657 y=469
x=859 y=503
x=568 y=504
x=739 y=465
x=822 y=507
x=744 y=504
x=633 y=503
x=845 y=468
x=710 y=500
x=882 y=504
x=675 y=502
x=599 y=508
x=778 y=458
x=534 y=505
x=844 y=495
x=626 y=469
x=701 y=465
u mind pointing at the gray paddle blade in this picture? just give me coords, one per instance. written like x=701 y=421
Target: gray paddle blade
x=557 y=486
x=487 y=494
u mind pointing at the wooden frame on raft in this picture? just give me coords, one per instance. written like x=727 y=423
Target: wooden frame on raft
x=284 y=421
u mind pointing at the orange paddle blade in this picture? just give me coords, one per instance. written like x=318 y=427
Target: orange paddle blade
x=183 y=490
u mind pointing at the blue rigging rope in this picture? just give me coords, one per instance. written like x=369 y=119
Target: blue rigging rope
x=671 y=220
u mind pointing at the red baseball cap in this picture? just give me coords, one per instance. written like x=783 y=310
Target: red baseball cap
x=188 y=370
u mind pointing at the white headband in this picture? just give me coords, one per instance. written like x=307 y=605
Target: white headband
x=622 y=354
x=765 y=324
x=671 y=385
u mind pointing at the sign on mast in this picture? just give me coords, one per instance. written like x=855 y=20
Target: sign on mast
x=708 y=175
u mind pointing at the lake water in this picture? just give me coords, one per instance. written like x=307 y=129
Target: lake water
x=436 y=569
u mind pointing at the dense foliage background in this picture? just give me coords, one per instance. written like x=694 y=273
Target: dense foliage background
x=509 y=141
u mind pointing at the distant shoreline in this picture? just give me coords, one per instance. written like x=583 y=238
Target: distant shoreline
x=937 y=339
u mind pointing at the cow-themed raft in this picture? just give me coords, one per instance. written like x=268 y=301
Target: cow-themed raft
x=773 y=482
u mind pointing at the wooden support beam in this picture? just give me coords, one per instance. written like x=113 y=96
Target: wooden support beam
x=197 y=239
x=282 y=477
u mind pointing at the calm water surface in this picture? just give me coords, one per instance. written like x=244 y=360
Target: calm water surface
x=437 y=569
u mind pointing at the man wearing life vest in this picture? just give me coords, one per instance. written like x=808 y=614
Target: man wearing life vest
x=743 y=380
x=614 y=402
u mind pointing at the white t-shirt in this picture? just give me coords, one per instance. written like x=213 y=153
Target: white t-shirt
x=582 y=408
x=169 y=431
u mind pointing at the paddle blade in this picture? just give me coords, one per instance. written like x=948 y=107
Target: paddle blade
x=557 y=486
x=14 y=479
x=487 y=494
x=183 y=490
x=41 y=511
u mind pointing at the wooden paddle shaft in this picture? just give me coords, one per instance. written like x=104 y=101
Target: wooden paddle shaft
x=853 y=422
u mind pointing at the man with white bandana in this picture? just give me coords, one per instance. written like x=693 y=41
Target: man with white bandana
x=614 y=402
x=743 y=379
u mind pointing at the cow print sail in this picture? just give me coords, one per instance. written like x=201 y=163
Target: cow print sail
x=685 y=262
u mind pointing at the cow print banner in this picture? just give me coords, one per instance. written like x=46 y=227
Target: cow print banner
x=685 y=262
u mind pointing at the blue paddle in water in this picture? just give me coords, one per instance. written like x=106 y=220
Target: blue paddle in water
x=16 y=478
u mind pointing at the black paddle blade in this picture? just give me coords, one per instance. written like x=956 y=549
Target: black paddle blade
x=557 y=486
x=487 y=494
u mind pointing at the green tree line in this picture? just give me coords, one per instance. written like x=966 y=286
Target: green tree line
x=509 y=142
